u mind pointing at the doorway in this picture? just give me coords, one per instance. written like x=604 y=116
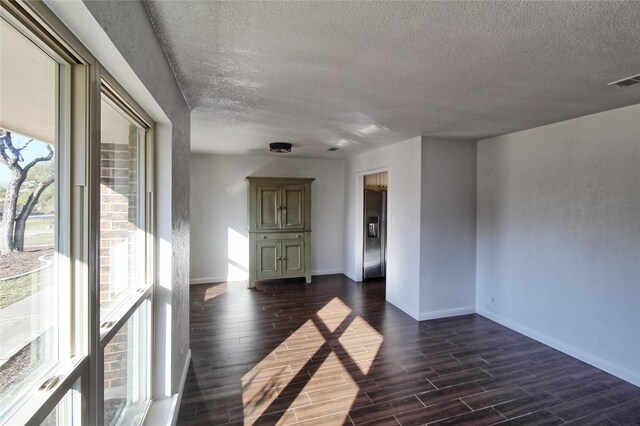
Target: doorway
x=374 y=256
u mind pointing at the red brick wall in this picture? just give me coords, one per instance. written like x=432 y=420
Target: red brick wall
x=115 y=365
x=118 y=223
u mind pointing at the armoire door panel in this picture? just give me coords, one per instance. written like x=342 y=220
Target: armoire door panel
x=293 y=254
x=268 y=207
x=293 y=207
x=268 y=263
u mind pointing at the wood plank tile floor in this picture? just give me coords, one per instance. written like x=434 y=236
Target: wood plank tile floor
x=335 y=353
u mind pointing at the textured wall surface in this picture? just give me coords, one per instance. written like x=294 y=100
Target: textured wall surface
x=180 y=224
x=448 y=228
x=219 y=211
x=559 y=236
x=402 y=160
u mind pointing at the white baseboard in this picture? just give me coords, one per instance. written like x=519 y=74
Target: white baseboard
x=413 y=314
x=165 y=411
x=429 y=315
x=351 y=276
x=620 y=372
x=327 y=272
x=211 y=280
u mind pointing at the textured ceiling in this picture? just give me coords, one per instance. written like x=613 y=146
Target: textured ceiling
x=359 y=75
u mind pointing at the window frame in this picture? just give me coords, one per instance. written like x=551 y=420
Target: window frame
x=34 y=407
x=81 y=343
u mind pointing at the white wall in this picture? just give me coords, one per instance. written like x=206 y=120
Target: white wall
x=559 y=236
x=402 y=160
x=448 y=228
x=219 y=250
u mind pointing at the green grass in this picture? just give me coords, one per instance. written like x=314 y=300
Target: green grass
x=37 y=224
x=39 y=232
x=38 y=240
x=15 y=289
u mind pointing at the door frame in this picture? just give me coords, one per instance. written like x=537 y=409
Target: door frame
x=359 y=246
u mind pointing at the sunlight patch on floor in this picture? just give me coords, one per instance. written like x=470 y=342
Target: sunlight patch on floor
x=334 y=313
x=288 y=385
x=215 y=291
x=354 y=343
x=327 y=399
x=264 y=388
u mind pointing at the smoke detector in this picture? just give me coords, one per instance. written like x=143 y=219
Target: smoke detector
x=280 y=147
x=629 y=81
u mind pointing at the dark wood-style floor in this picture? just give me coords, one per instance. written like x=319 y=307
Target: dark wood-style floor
x=335 y=353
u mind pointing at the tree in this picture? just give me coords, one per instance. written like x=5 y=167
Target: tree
x=15 y=214
x=39 y=173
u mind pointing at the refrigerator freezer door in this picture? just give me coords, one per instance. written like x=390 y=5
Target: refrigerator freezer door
x=374 y=234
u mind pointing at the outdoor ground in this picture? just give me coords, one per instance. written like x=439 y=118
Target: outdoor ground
x=39 y=241
x=24 y=275
x=18 y=263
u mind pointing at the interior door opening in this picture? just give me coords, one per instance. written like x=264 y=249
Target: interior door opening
x=374 y=264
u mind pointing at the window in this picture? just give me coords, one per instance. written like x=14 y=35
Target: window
x=76 y=237
x=121 y=221
x=64 y=412
x=124 y=288
x=30 y=281
x=126 y=373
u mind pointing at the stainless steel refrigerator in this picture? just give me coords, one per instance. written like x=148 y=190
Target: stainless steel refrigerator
x=375 y=234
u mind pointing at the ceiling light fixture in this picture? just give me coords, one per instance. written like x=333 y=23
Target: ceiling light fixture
x=280 y=147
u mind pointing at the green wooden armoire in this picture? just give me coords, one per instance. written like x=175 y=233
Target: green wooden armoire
x=279 y=228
